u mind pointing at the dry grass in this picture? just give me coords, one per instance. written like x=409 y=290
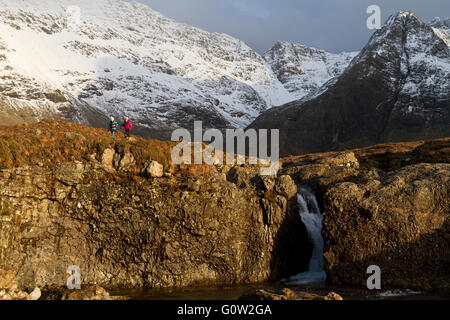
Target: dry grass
x=53 y=141
x=385 y=155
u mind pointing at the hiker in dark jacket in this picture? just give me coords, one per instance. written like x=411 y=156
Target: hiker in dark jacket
x=127 y=126
x=113 y=125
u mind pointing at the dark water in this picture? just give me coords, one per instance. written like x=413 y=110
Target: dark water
x=236 y=291
x=194 y=293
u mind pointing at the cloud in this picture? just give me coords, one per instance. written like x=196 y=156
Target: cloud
x=326 y=24
x=249 y=8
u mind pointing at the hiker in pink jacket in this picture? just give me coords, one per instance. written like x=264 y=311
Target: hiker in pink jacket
x=127 y=126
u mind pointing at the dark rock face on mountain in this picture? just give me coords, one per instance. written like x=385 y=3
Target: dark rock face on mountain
x=386 y=205
x=396 y=89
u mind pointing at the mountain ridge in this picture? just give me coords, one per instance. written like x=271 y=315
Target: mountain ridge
x=125 y=59
x=132 y=61
x=302 y=69
x=396 y=89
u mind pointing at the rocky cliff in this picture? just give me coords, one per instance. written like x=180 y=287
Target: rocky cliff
x=73 y=197
x=386 y=205
x=128 y=217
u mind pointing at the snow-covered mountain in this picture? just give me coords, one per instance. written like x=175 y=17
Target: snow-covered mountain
x=85 y=60
x=124 y=59
x=396 y=89
x=302 y=69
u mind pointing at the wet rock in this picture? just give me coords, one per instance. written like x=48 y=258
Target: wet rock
x=87 y=293
x=288 y=294
x=386 y=207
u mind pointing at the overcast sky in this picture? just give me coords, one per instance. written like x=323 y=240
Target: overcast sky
x=333 y=25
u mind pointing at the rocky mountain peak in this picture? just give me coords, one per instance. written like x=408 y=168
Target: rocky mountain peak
x=442 y=29
x=396 y=89
x=404 y=40
x=440 y=23
x=303 y=69
x=402 y=14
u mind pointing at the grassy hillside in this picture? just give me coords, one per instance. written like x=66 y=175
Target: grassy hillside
x=53 y=141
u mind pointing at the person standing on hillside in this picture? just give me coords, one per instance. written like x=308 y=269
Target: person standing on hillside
x=113 y=125
x=127 y=126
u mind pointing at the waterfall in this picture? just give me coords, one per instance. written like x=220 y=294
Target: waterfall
x=312 y=218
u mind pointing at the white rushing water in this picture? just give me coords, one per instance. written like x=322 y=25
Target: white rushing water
x=398 y=293
x=312 y=218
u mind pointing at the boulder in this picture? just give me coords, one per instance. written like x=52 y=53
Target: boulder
x=124 y=161
x=401 y=224
x=35 y=294
x=127 y=160
x=153 y=169
x=70 y=173
x=341 y=159
x=13 y=295
x=87 y=293
x=285 y=186
x=268 y=182
x=107 y=158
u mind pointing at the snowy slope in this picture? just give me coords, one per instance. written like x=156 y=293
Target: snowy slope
x=126 y=59
x=302 y=69
x=441 y=28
